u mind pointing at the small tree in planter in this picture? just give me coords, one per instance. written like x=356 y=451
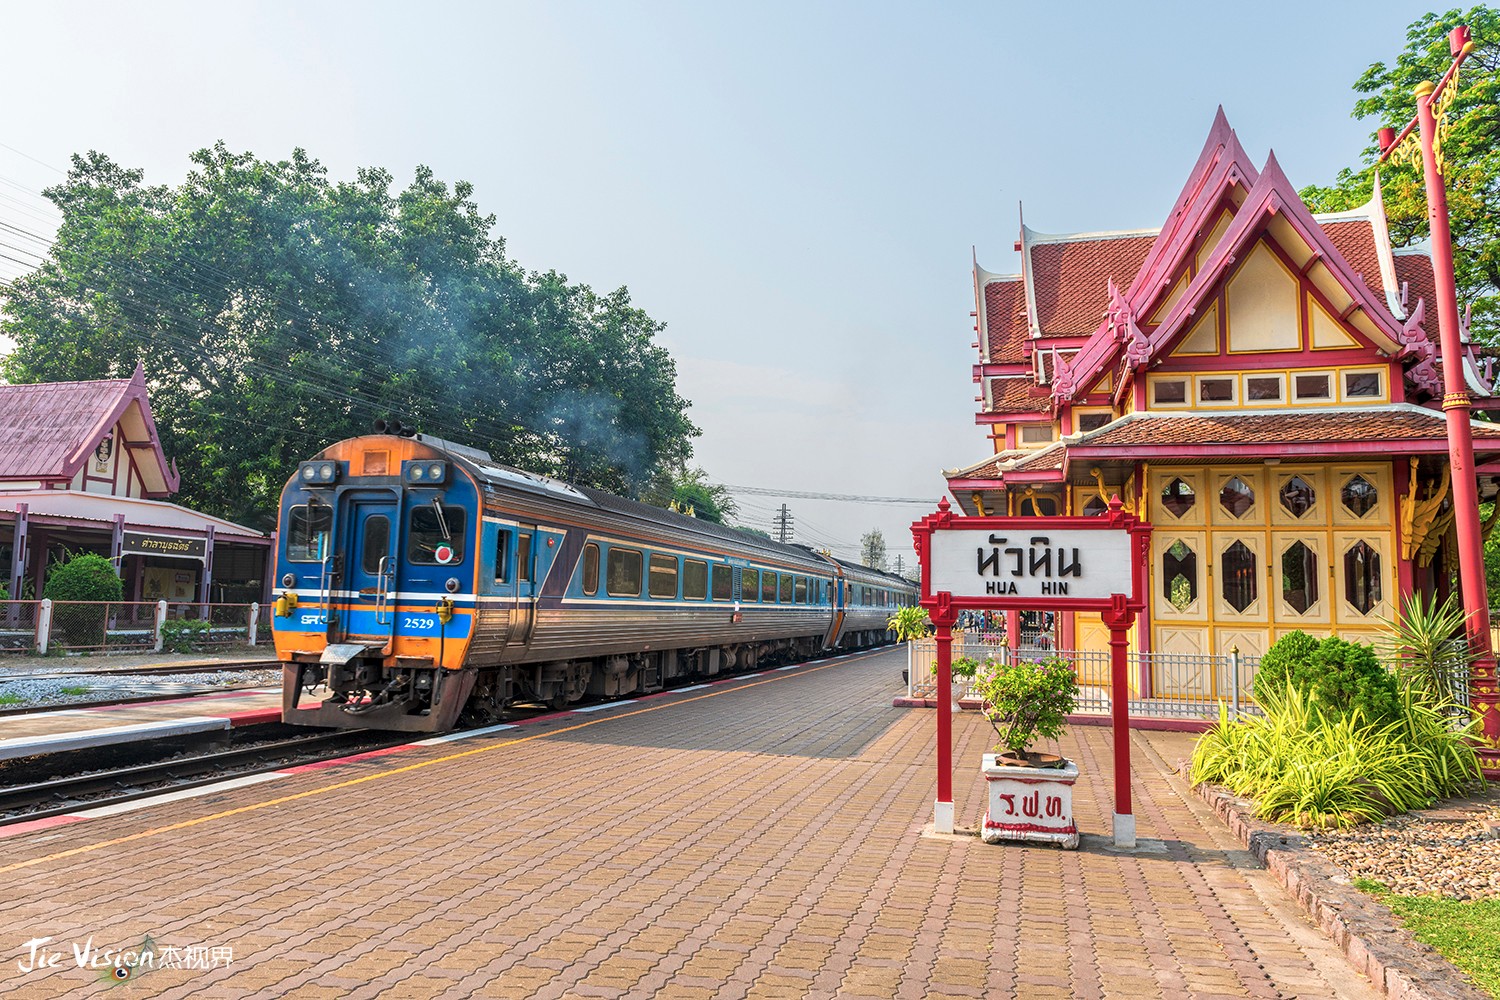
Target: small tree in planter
x=1030 y=793
x=1027 y=701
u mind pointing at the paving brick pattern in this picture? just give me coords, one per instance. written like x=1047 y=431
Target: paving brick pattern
x=759 y=840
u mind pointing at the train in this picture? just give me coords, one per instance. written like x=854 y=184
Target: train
x=424 y=586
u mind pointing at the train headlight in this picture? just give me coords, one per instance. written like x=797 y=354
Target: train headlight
x=451 y=585
x=318 y=473
x=289 y=580
x=425 y=471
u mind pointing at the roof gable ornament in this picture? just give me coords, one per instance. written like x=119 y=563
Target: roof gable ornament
x=1064 y=382
x=1124 y=330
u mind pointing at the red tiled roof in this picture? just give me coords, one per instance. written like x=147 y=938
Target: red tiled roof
x=1019 y=394
x=1416 y=270
x=1047 y=458
x=1395 y=423
x=1068 y=279
x=1005 y=320
x=45 y=425
x=1355 y=239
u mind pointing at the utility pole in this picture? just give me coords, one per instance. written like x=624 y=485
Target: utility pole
x=783 y=525
x=898 y=566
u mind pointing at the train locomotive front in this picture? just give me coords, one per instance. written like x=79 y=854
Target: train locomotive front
x=376 y=566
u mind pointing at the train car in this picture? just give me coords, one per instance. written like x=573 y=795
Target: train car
x=423 y=584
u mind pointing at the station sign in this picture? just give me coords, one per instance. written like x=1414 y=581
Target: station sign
x=1032 y=562
x=138 y=543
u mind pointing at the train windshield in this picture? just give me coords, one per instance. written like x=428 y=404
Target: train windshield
x=435 y=537
x=307 y=532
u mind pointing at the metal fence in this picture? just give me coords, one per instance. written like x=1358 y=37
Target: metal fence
x=30 y=627
x=1162 y=685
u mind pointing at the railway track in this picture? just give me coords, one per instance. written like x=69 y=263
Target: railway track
x=53 y=791
x=220 y=667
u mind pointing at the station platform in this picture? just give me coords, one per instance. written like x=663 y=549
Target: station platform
x=760 y=837
x=102 y=725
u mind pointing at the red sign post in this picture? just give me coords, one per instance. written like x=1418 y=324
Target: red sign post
x=1034 y=564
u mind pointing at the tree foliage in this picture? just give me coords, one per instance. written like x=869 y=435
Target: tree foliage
x=691 y=488
x=277 y=311
x=872 y=549
x=1471 y=149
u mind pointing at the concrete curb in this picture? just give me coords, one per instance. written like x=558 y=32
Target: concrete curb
x=1368 y=934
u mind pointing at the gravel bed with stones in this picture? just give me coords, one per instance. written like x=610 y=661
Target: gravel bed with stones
x=49 y=691
x=1452 y=851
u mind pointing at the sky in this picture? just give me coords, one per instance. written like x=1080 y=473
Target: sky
x=795 y=189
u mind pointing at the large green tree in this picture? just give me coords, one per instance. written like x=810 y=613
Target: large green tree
x=277 y=311
x=1471 y=149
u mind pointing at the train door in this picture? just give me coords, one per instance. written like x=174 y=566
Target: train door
x=523 y=615
x=364 y=597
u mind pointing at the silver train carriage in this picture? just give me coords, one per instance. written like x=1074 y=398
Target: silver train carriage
x=421 y=582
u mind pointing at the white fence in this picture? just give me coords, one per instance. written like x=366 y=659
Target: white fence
x=1162 y=685
x=40 y=627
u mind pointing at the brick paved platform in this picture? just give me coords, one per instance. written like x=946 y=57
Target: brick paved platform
x=760 y=838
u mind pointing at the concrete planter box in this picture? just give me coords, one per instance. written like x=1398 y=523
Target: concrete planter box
x=1030 y=803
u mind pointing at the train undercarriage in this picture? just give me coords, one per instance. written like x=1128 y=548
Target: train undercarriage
x=354 y=687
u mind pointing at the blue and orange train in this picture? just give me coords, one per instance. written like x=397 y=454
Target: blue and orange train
x=423 y=586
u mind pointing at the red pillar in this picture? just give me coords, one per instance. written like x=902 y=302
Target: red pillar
x=943 y=617
x=1119 y=618
x=1482 y=680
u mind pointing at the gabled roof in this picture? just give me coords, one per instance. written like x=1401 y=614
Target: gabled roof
x=1271 y=199
x=51 y=428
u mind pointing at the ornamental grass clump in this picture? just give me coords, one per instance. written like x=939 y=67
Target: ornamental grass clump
x=1321 y=761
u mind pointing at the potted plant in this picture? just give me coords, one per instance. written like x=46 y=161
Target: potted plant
x=963 y=671
x=1030 y=793
x=909 y=623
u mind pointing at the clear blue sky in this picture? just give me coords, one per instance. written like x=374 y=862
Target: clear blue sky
x=794 y=188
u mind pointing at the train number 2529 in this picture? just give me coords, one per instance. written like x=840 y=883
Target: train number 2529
x=419 y=623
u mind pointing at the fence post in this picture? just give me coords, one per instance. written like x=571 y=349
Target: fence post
x=254 y=621
x=1234 y=686
x=161 y=619
x=43 y=626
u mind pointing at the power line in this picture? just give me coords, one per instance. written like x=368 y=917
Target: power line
x=806 y=495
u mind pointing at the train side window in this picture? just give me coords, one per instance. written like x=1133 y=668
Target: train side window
x=591 y=569
x=663 y=576
x=801 y=590
x=694 y=580
x=523 y=557
x=426 y=541
x=749 y=584
x=768 y=587
x=502 y=556
x=723 y=583
x=788 y=586
x=376 y=544
x=622 y=576
x=307 y=532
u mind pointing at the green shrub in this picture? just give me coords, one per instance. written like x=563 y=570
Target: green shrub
x=183 y=635
x=1339 y=676
x=84 y=577
x=1303 y=763
x=1026 y=701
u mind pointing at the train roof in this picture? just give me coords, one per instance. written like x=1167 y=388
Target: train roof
x=498 y=474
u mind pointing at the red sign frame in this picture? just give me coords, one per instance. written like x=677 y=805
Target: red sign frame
x=1117 y=611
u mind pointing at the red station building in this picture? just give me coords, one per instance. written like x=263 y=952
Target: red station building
x=1260 y=383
